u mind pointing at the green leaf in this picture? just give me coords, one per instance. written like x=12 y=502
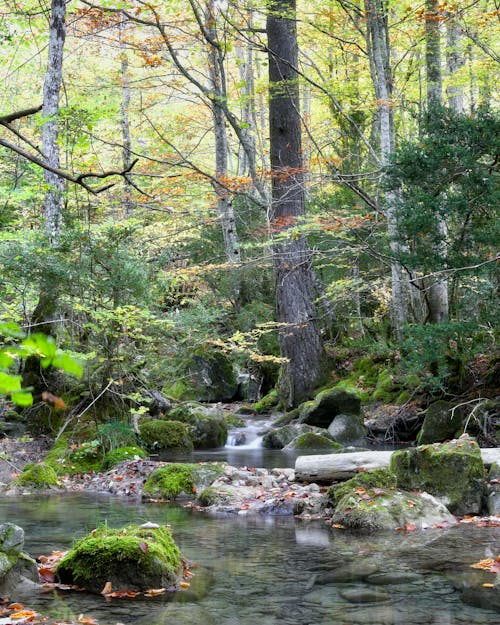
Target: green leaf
x=6 y=360
x=67 y=363
x=22 y=398
x=9 y=383
x=11 y=329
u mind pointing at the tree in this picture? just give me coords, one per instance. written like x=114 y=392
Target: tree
x=437 y=286
x=299 y=335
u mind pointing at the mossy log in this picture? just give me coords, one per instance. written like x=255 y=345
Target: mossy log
x=326 y=468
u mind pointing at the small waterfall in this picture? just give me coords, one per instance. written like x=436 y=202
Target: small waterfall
x=250 y=435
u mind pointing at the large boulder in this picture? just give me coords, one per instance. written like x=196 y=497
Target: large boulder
x=327 y=405
x=454 y=472
x=441 y=423
x=375 y=509
x=16 y=567
x=173 y=480
x=278 y=438
x=313 y=440
x=209 y=377
x=347 y=429
x=208 y=430
x=131 y=558
x=162 y=434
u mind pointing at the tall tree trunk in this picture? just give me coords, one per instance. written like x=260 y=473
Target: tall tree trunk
x=437 y=287
x=244 y=53
x=299 y=336
x=454 y=61
x=50 y=129
x=380 y=65
x=42 y=319
x=219 y=96
x=128 y=204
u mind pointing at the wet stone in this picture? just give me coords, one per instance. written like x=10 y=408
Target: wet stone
x=364 y=595
x=350 y=573
x=394 y=578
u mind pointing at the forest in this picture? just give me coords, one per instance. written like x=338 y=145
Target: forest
x=222 y=220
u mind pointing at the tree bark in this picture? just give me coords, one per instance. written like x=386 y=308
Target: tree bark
x=437 y=289
x=454 y=61
x=128 y=204
x=50 y=129
x=299 y=336
x=219 y=96
x=378 y=45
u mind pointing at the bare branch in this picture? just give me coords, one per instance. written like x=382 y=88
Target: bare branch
x=11 y=117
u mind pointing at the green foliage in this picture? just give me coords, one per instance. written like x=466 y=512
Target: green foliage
x=115 y=434
x=435 y=357
x=123 y=453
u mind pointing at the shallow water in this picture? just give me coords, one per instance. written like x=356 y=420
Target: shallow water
x=266 y=570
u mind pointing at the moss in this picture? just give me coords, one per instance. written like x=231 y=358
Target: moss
x=161 y=434
x=207 y=497
x=453 y=471
x=37 y=476
x=170 y=481
x=311 y=440
x=234 y=420
x=130 y=558
x=349 y=386
x=287 y=417
x=267 y=403
x=386 y=388
x=378 y=478
x=402 y=398
x=121 y=454
x=177 y=390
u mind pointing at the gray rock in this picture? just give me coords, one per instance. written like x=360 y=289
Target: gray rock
x=11 y=538
x=347 y=429
x=364 y=595
x=440 y=424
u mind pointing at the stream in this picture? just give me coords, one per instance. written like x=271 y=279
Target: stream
x=270 y=570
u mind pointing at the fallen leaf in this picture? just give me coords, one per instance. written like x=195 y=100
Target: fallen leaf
x=46 y=574
x=184 y=584
x=153 y=592
x=488 y=585
x=144 y=547
x=15 y=606
x=87 y=620
x=108 y=586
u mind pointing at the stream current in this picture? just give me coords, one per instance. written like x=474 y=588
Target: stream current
x=271 y=570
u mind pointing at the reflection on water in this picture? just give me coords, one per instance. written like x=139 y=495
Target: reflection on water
x=271 y=570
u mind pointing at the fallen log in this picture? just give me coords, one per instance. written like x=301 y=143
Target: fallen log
x=331 y=467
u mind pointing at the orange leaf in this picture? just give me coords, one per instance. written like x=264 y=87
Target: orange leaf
x=107 y=588
x=488 y=585
x=87 y=620
x=25 y=615
x=184 y=584
x=15 y=606
x=153 y=592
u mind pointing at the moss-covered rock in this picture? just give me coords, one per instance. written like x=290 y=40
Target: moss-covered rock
x=386 y=388
x=208 y=431
x=171 y=481
x=287 y=417
x=347 y=429
x=452 y=471
x=379 y=479
x=327 y=405
x=209 y=377
x=440 y=423
x=267 y=403
x=37 y=476
x=279 y=437
x=372 y=510
x=162 y=434
x=123 y=453
x=313 y=440
x=135 y=558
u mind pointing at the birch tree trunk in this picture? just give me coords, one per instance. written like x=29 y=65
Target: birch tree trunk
x=437 y=288
x=50 y=130
x=299 y=336
x=380 y=64
x=128 y=204
x=454 y=61
x=219 y=96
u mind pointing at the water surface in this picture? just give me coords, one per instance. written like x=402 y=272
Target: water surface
x=272 y=570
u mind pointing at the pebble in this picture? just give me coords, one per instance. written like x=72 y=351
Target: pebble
x=364 y=595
